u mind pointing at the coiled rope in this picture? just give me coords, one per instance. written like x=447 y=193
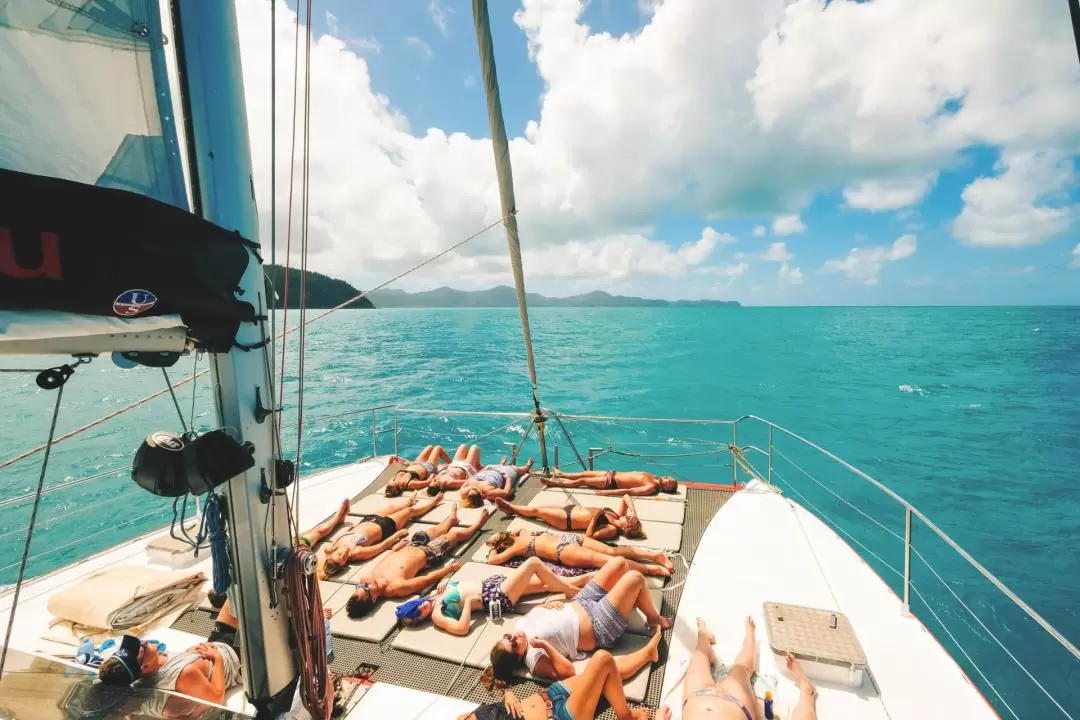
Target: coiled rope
x=309 y=630
x=213 y=527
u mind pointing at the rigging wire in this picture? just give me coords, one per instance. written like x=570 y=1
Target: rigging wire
x=176 y=402
x=30 y=528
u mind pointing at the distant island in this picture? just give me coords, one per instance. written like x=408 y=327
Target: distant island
x=503 y=296
x=322 y=291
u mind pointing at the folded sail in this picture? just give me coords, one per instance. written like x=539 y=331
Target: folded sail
x=98 y=249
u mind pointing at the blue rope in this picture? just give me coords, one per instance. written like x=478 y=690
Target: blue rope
x=213 y=526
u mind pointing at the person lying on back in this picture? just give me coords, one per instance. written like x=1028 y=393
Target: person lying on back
x=613 y=482
x=205 y=671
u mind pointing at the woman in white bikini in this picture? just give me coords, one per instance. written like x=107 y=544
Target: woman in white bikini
x=490 y=482
x=416 y=474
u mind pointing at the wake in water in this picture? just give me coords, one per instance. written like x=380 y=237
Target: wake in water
x=912 y=389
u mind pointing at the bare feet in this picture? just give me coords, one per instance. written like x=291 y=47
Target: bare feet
x=504 y=505
x=437 y=499
x=795 y=668
x=483 y=515
x=657 y=570
x=664 y=713
x=654 y=645
x=343 y=510
x=662 y=558
x=528 y=465
x=662 y=623
x=453 y=514
x=638 y=714
x=751 y=628
x=705 y=641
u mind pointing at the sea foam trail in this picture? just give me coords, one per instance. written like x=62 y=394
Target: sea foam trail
x=913 y=389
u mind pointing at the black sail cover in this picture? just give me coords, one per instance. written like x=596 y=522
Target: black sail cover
x=77 y=248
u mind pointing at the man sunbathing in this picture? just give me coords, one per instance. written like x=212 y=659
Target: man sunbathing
x=552 y=636
x=602 y=524
x=613 y=482
x=205 y=671
x=416 y=474
x=576 y=697
x=572 y=550
x=396 y=574
x=733 y=697
x=370 y=535
x=454 y=601
x=492 y=481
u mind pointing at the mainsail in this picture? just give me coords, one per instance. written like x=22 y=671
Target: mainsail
x=97 y=250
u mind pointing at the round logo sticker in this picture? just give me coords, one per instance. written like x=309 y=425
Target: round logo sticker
x=166 y=441
x=133 y=302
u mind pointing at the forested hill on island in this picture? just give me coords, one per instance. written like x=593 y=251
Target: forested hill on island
x=504 y=296
x=322 y=291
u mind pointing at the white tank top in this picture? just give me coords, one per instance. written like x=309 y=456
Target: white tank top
x=559 y=627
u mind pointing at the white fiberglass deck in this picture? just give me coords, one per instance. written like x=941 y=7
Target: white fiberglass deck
x=763 y=547
x=321 y=494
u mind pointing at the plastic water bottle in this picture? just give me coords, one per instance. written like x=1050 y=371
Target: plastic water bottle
x=85 y=651
x=769 y=715
x=769 y=684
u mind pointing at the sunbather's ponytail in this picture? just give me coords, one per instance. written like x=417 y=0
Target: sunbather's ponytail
x=393 y=490
x=500 y=541
x=500 y=673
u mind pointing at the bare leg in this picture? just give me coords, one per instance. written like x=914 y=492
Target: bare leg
x=630 y=592
x=699 y=674
x=737 y=681
x=460 y=535
x=583 y=475
x=402 y=517
x=424 y=453
x=579 y=556
x=600 y=677
x=320 y=532
x=629 y=665
x=392 y=506
x=461 y=452
x=806 y=707
x=630 y=552
x=444 y=527
x=547 y=514
x=473 y=458
x=522 y=469
x=226 y=617
x=533 y=576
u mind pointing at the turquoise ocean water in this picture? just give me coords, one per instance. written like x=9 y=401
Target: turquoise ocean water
x=972 y=414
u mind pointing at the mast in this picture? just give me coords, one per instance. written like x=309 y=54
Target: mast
x=213 y=92
x=506 y=194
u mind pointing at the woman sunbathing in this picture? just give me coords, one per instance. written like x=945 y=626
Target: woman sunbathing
x=367 y=537
x=416 y=474
x=493 y=481
x=602 y=524
x=613 y=482
x=551 y=637
x=465 y=464
x=572 y=550
x=453 y=603
x=575 y=697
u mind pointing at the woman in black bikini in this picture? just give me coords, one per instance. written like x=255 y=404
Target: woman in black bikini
x=416 y=474
x=573 y=550
x=602 y=524
x=612 y=482
x=367 y=537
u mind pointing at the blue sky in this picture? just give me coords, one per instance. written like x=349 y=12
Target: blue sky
x=928 y=180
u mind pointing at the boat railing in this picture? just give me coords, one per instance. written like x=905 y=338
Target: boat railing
x=988 y=628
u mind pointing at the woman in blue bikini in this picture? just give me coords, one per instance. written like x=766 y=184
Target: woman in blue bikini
x=733 y=697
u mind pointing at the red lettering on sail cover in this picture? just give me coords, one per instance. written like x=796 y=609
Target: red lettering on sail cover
x=50 y=258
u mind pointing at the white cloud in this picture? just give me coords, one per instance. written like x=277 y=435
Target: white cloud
x=440 y=16
x=648 y=7
x=470 y=81
x=865 y=264
x=759 y=231
x=420 y=45
x=824 y=108
x=790 y=275
x=618 y=257
x=777 y=252
x=875 y=195
x=788 y=225
x=1013 y=208
x=717 y=238
x=1075 y=257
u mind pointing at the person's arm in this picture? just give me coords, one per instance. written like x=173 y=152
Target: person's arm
x=551 y=665
x=404 y=588
x=503 y=492
x=603 y=534
x=627 y=507
x=193 y=681
x=642 y=491
x=501 y=558
x=455 y=627
x=369 y=551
